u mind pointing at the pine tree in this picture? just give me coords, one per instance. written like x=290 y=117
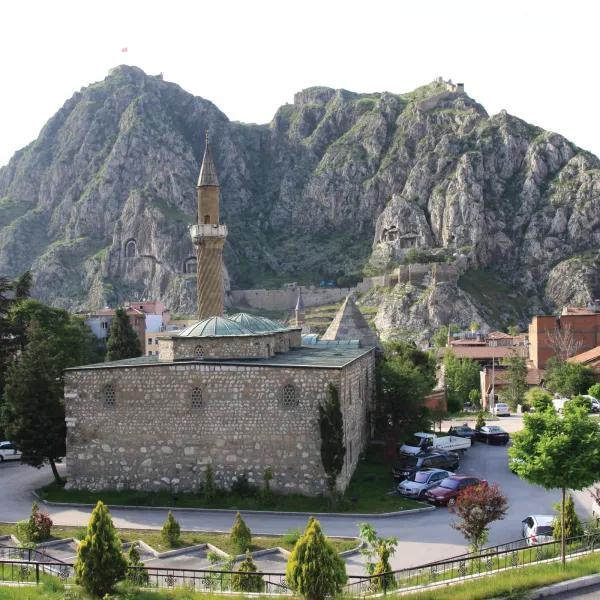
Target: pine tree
x=137 y=576
x=171 y=531
x=240 y=536
x=331 y=425
x=100 y=562
x=573 y=526
x=314 y=569
x=241 y=582
x=123 y=341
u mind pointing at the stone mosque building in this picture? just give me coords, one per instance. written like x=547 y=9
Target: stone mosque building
x=240 y=393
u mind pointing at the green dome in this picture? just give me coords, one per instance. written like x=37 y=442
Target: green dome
x=274 y=325
x=215 y=327
x=253 y=323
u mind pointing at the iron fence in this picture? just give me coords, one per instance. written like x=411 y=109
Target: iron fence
x=24 y=565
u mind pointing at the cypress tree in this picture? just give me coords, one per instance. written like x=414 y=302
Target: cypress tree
x=331 y=425
x=573 y=526
x=100 y=562
x=314 y=568
x=123 y=341
x=240 y=536
x=171 y=531
x=241 y=582
x=137 y=576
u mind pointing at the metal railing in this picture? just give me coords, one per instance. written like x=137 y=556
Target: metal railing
x=24 y=565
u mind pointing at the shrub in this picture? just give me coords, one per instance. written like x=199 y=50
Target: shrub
x=267 y=478
x=36 y=529
x=100 y=562
x=573 y=526
x=579 y=402
x=595 y=391
x=243 y=582
x=291 y=536
x=209 y=484
x=539 y=399
x=137 y=576
x=314 y=568
x=171 y=531
x=480 y=421
x=240 y=536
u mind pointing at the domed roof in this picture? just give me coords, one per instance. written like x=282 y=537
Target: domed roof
x=252 y=323
x=214 y=327
x=273 y=325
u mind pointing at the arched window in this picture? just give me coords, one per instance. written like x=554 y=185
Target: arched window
x=207 y=219
x=190 y=265
x=130 y=249
x=108 y=395
x=199 y=353
x=196 y=398
x=289 y=397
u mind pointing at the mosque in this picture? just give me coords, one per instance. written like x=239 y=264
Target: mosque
x=240 y=393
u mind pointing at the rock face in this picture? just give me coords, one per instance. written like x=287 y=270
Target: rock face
x=335 y=182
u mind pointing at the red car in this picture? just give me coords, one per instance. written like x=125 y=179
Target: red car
x=445 y=493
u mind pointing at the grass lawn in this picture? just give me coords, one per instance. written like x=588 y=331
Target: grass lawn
x=513 y=582
x=367 y=493
x=189 y=538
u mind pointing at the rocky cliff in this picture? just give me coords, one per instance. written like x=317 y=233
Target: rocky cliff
x=338 y=182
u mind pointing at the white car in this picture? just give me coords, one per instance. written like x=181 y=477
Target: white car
x=501 y=409
x=537 y=529
x=559 y=404
x=595 y=403
x=8 y=452
x=418 y=483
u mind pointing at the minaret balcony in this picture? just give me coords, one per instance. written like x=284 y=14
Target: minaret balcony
x=207 y=231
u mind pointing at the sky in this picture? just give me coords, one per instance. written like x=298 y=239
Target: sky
x=536 y=59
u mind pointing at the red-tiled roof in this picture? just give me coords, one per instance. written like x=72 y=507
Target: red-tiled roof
x=499 y=335
x=467 y=343
x=586 y=357
x=483 y=352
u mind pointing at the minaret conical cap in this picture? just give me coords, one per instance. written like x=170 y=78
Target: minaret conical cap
x=208 y=171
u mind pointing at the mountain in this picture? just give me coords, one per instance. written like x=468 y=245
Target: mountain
x=336 y=183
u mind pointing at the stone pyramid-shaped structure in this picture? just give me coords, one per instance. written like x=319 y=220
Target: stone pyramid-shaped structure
x=350 y=324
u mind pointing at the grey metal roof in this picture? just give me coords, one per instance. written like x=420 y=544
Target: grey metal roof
x=208 y=171
x=214 y=327
x=254 y=323
x=316 y=357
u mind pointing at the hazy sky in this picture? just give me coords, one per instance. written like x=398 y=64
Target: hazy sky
x=536 y=59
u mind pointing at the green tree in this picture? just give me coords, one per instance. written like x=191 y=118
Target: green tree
x=440 y=337
x=314 y=569
x=240 y=535
x=475 y=397
x=477 y=507
x=267 y=478
x=539 y=399
x=100 y=562
x=568 y=379
x=595 y=391
x=331 y=426
x=579 y=402
x=405 y=376
x=573 y=526
x=557 y=452
x=210 y=491
x=516 y=381
x=123 y=341
x=377 y=552
x=171 y=531
x=462 y=376
x=514 y=330
x=245 y=580
x=480 y=422
x=136 y=575
x=474 y=326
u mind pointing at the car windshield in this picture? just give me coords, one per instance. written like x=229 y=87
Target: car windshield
x=494 y=429
x=420 y=477
x=450 y=484
x=544 y=530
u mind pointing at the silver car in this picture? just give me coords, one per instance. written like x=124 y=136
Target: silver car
x=418 y=483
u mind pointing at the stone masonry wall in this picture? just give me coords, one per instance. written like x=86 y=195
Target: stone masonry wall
x=259 y=346
x=161 y=435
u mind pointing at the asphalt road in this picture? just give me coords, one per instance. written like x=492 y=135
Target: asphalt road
x=591 y=593
x=423 y=537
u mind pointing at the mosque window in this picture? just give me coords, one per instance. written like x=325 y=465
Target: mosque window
x=199 y=353
x=289 y=397
x=196 y=398
x=108 y=394
x=190 y=265
x=206 y=219
x=130 y=249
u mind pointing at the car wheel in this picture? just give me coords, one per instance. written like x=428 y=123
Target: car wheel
x=451 y=502
x=1 y=459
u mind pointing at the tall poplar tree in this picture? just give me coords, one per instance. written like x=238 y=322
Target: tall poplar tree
x=331 y=424
x=123 y=341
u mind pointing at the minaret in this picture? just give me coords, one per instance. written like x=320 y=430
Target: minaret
x=209 y=238
x=299 y=314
